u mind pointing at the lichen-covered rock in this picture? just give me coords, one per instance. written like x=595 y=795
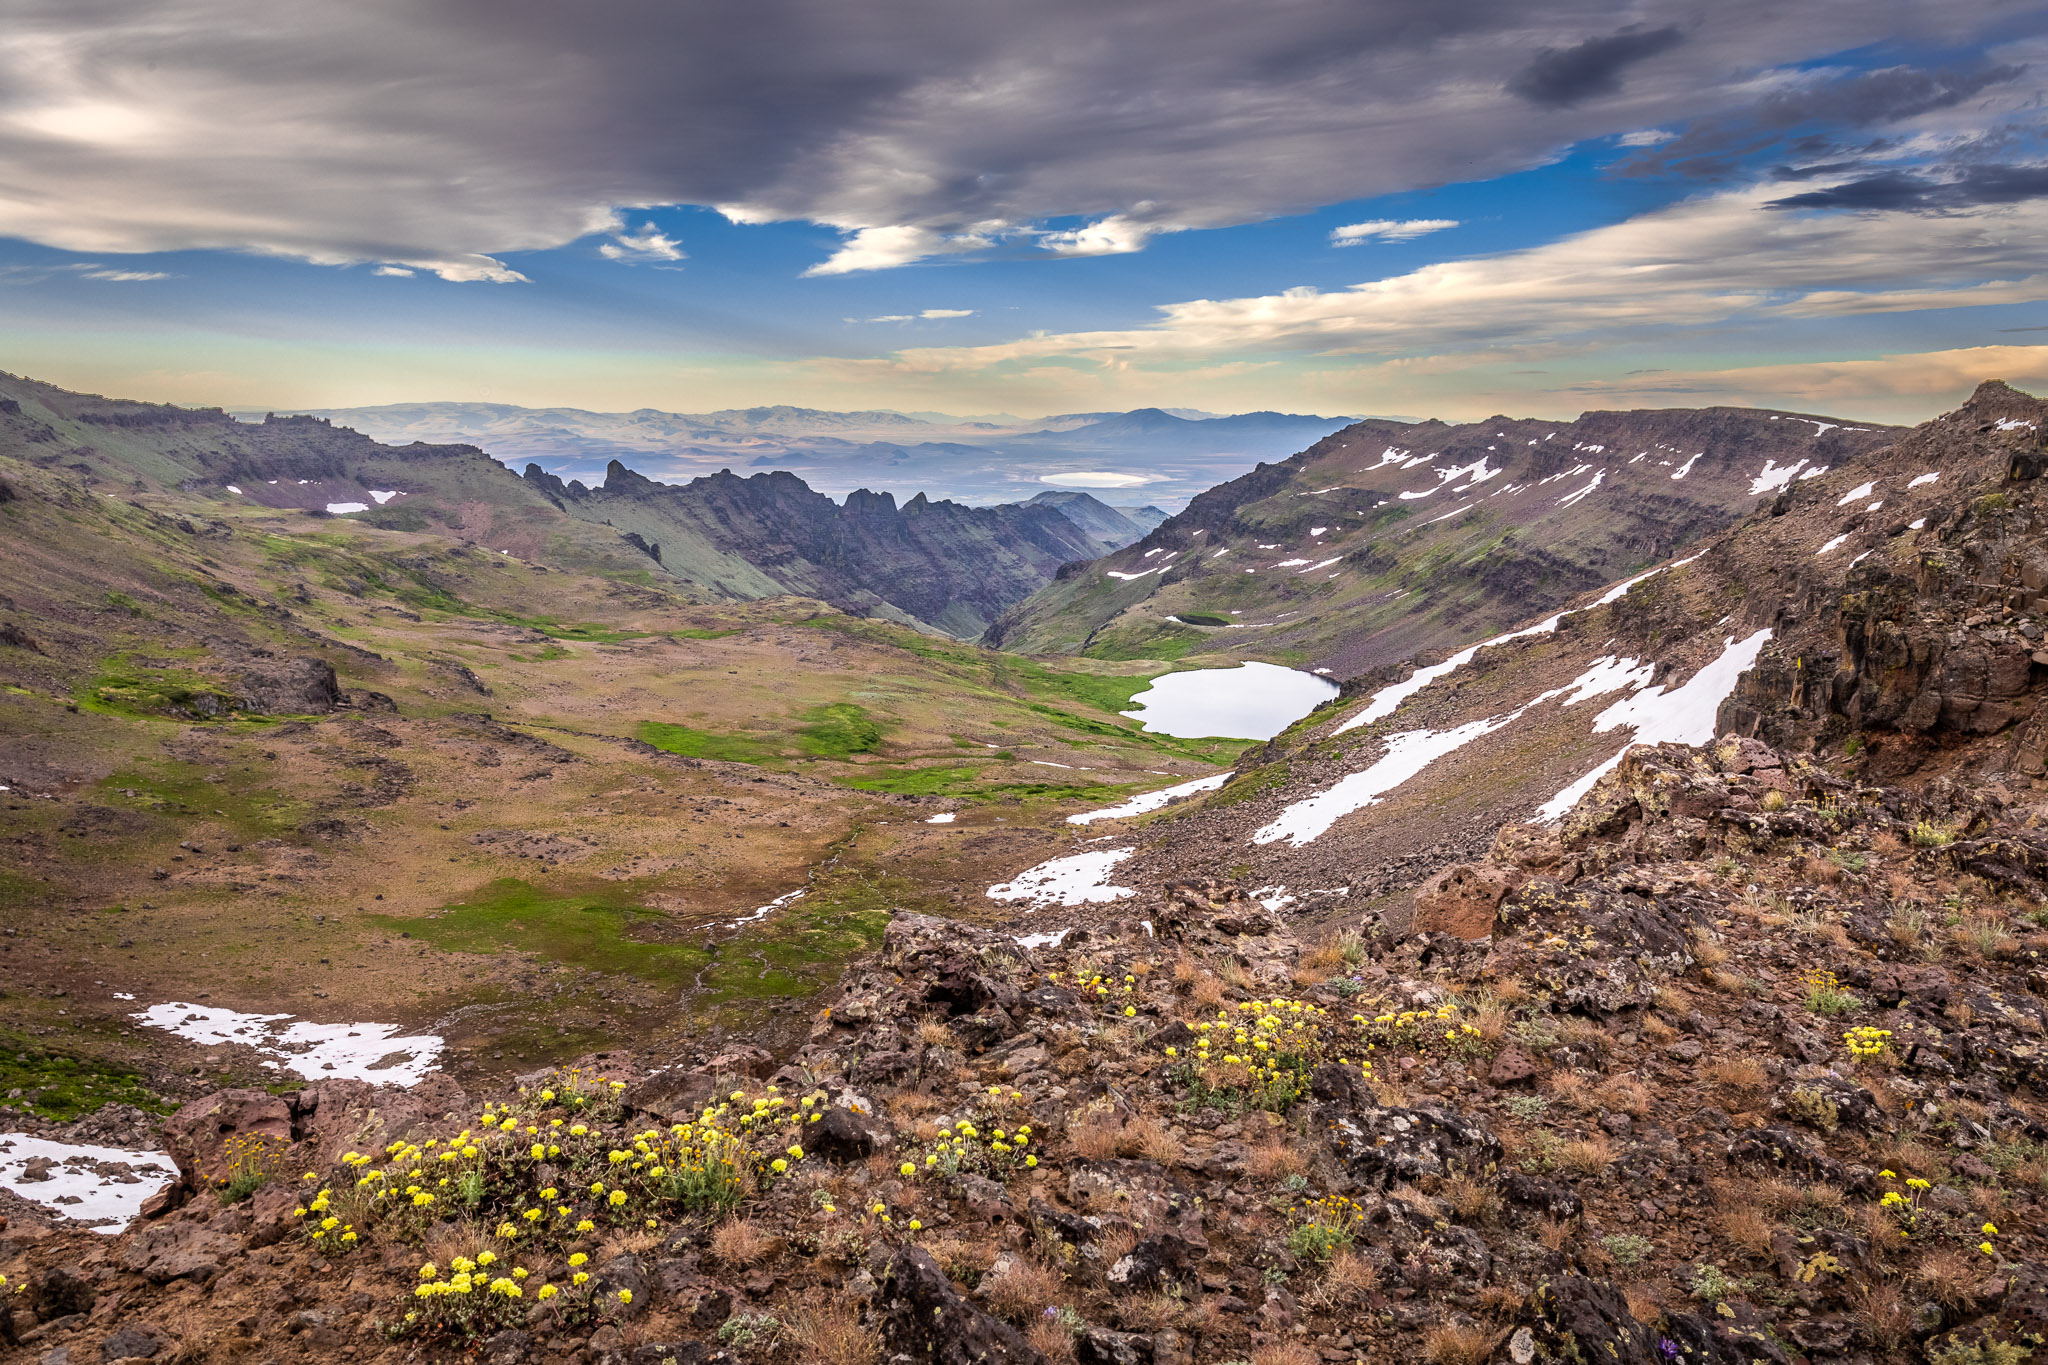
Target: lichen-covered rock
x=924 y=1317
x=1380 y=1145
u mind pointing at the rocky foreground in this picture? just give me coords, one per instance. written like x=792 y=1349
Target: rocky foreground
x=1740 y=1063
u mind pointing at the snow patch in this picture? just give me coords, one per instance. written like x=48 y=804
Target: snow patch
x=1051 y=940
x=944 y=817
x=1861 y=490
x=1683 y=469
x=1924 y=478
x=1659 y=716
x=319 y=1052
x=101 y=1187
x=1077 y=879
x=236 y=491
x=342 y=509
x=766 y=910
x=1773 y=478
x=1150 y=801
x=383 y=498
x=1833 y=544
x=1570 y=498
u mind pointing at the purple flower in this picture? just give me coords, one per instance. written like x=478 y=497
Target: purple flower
x=1668 y=1347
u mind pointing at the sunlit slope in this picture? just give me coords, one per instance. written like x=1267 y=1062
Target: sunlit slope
x=1388 y=540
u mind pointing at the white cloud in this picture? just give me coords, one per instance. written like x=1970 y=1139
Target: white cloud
x=1113 y=236
x=126 y=276
x=1644 y=137
x=396 y=271
x=1097 y=478
x=947 y=313
x=1706 y=260
x=1389 y=230
x=649 y=244
x=884 y=248
x=929 y=314
x=441 y=137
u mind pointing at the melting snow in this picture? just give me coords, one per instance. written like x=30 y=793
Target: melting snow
x=1861 y=490
x=358 y=1052
x=1774 y=478
x=1077 y=879
x=1251 y=701
x=342 y=509
x=383 y=498
x=1659 y=716
x=2013 y=423
x=1683 y=469
x=1317 y=530
x=1445 y=517
x=766 y=910
x=1289 y=563
x=1917 y=524
x=1411 y=751
x=1051 y=940
x=1831 y=544
x=1924 y=478
x=1150 y=801
x=1324 y=565
x=1814 y=472
x=1127 y=577
x=236 y=491
x=944 y=817
x=1410 y=497
x=103 y=1187
x=1570 y=498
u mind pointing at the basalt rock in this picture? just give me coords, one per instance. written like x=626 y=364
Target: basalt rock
x=927 y=1319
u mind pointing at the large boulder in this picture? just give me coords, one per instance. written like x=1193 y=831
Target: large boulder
x=1381 y=1145
x=1462 y=900
x=925 y=1318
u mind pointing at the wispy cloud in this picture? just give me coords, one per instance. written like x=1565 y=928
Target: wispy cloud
x=928 y=315
x=649 y=244
x=1388 y=230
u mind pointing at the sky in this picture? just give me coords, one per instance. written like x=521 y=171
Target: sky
x=1025 y=207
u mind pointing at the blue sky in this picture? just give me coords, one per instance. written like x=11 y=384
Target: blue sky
x=1054 y=206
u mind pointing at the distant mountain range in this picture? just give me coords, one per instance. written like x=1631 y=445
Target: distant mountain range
x=1389 y=539
x=1169 y=455
x=932 y=563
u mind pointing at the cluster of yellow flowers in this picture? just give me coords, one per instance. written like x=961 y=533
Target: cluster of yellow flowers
x=548 y=1169
x=1261 y=1052
x=996 y=1144
x=1905 y=1207
x=1865 y=1042
x=1318 y=1228
x=475 y=1298
x=1108 y=990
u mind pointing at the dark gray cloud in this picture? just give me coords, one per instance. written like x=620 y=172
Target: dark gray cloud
x=444 y=134
x=1719 y=146
x=1915 y=191
x=1561 y=77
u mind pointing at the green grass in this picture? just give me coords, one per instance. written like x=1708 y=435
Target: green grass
x=175 y=788
x=839 y=730
x=592 y=930
x=690 y=743
x=939 y=781
x=123 y=689
x=63 y=1086
x=695 y=633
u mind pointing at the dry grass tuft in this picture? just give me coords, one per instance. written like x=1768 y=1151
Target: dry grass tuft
x=1275 y=1161
x=1707 y=950
x=1555 y=1234
x=1742 y=1077
x=1474 y=1201
x=1051 y=1340
x=1950 y=1276
x=1151 y=1139
x=1209 y=993
x=1886 y=1316
x=933 y=1032
x=1627 y=1095
x=1350 y=1275
x=740 y=1242
x=1451 y=1344
x=1024 y=1289
x=1094 y=1138
x=1657 y=1031
x=1324 y=960
x=1568 y=1087
x=1587 y=1156
x=830 y=1331
x=1744 y=1226
x=1284 y=1353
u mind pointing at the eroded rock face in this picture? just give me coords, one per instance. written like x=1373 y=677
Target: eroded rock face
x=1461 y=900
x=1380 y=1145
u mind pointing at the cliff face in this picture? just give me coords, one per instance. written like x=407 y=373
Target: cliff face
x=939 y=563
x=1391 y=539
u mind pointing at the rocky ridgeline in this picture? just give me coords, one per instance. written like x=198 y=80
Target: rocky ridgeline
x=1742 y=1062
